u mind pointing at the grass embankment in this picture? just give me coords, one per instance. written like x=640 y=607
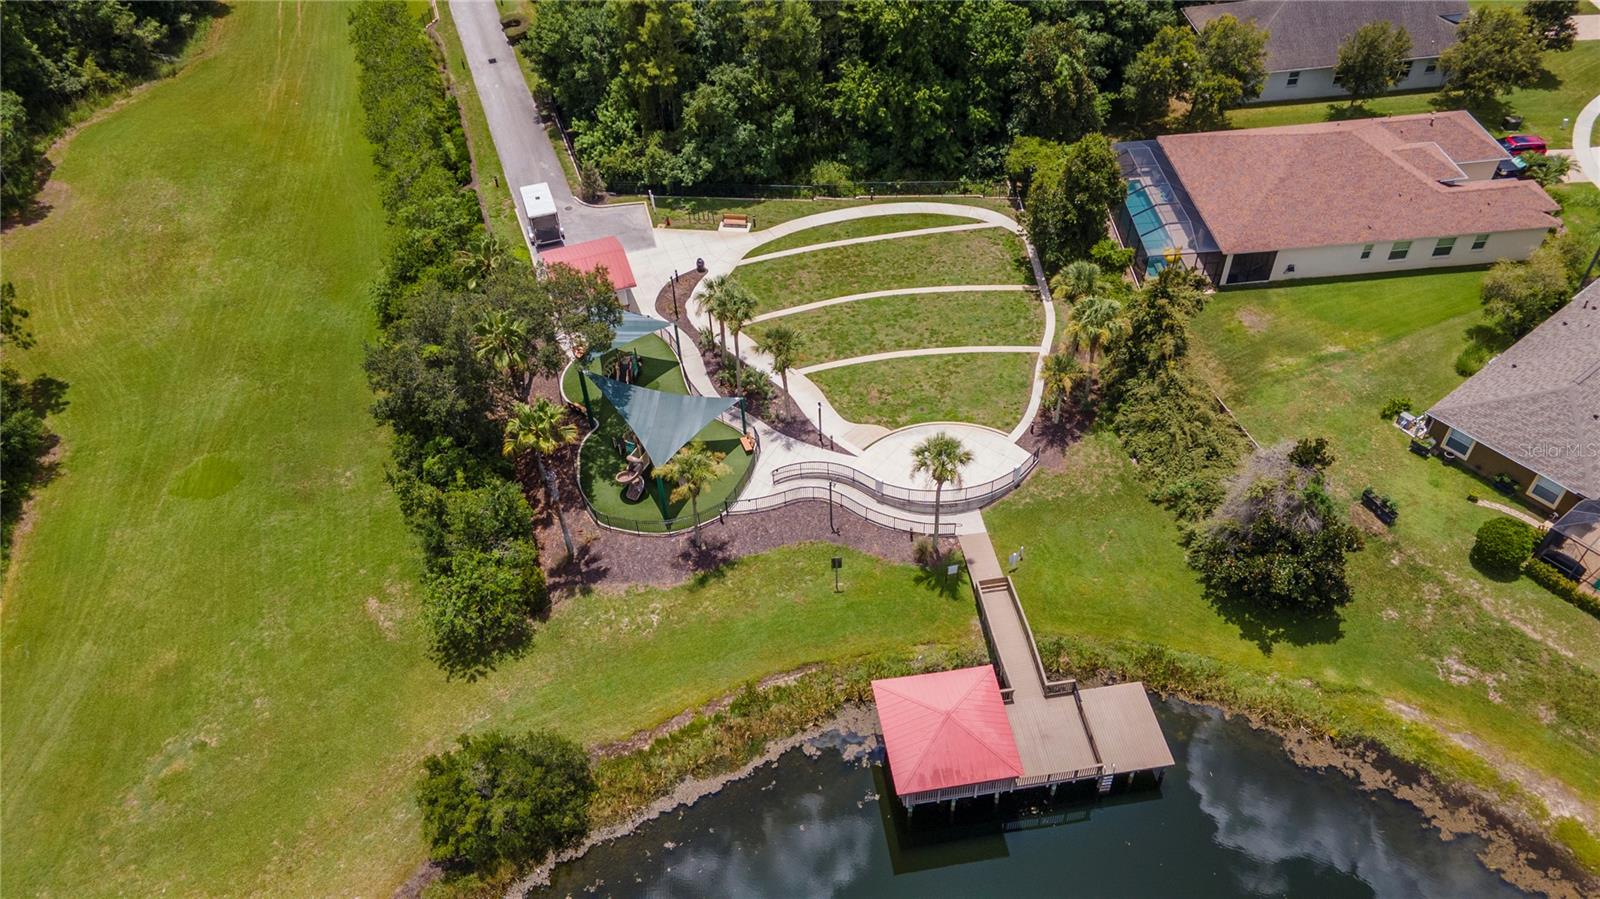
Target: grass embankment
x=912 y=321
x=988 y=256
x=1568 y=84
x=705 y=213
x=600 y=461
x=493 y=191
x=214 y=671
x=983 y=388
x=862 y=227
x=1507 y=664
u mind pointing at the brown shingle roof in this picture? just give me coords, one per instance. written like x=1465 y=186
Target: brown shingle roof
x=1306 y=34
x=1343 y=183
x=1538 y=403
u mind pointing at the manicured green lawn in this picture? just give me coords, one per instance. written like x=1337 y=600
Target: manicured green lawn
x=863 y=227
x=987 y=256
x=1569 y=84
x=492 y=186
x=600 y=460
x=982 y=388
x=1507 y=663
x=913 y=321
x=213 y=665
x=706 y=212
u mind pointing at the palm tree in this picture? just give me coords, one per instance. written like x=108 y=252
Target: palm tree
x=500 y=340
x=782 y=343
x=693 y=469
x=712 y=299
x=1095 y=321
x=738 y=307
x=1061 y=375
x=1077 y=280
x=941 y=456
x=539 y=430
x=481 y=259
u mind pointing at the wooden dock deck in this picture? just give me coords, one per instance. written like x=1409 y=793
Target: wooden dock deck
x=1063 y=733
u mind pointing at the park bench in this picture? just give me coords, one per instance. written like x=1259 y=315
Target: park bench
x=736 y=220
x=748 y=441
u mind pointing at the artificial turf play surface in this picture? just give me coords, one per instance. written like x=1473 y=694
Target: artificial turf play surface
x=600 y=461
x=214 y=670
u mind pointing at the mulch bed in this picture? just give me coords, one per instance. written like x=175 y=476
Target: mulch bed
x=781 y=411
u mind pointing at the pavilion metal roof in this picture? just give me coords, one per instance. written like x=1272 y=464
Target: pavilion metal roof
x=946 y=729
x=662 y=421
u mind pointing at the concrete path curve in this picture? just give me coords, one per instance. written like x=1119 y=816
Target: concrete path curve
x=908 y=354
x=897 y=292
x=1583 y=137
x=870 y=238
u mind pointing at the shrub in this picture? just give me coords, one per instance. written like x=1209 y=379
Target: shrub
x=1313 y=453
x=1394 y=406
x=502 y=798
x=1549 y=578
x=1111 y=256
x=834 y=179
x=1503 y=544
x=479 y=608
x=1472 y=358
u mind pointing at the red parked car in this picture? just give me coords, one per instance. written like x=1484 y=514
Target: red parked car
x=1524 y=143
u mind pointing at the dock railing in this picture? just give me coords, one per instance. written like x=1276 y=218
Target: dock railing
x=911 y=499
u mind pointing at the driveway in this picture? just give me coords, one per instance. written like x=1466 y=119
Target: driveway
x=526 y=153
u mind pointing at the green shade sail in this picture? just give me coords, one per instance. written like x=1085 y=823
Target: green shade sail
x=632 y=327
x=662 y=421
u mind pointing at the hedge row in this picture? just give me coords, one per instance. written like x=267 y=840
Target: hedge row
x=1547 y=577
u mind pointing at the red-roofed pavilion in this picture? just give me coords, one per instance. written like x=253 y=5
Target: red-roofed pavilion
x=593 y=254
x=946 y=734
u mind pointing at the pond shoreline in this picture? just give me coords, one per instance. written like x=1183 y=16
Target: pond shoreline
x=1515 y=850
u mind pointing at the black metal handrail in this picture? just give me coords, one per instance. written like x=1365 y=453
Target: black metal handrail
x=912 y=499
x=822 y=494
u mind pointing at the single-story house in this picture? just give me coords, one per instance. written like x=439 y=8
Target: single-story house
x=1533 y=412
x=601 y=253
x=1364 y=196
x=1304 y=36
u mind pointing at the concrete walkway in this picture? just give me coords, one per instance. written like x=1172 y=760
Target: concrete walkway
x=1583 y=137
x=908 y=354
x=873 y=295
x=1588 y=27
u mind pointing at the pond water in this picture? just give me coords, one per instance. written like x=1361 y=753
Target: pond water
x=1234 y=818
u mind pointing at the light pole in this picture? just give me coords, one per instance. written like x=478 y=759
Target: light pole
x=819 y=423
x=677 y=336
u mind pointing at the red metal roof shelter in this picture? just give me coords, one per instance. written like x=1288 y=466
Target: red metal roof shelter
x=946 y=729
x=592 y=254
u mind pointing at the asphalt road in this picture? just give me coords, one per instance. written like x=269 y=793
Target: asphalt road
x=526 y=152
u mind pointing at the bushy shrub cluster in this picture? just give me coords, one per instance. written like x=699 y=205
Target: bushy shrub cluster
x=1502 y=545
x=1166 y=418
x=1549 y=578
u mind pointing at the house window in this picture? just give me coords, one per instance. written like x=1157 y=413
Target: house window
x=1432 y=66
x=1293 y=79
x=1406 y=72
x=1444 y=246
x=1458 y=442
x=1336 y=78
x=1546 y=491
x=1366 y=251
x=1479 y=241
x=1399 y=250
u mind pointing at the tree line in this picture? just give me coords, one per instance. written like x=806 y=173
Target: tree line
x=676 y=93
x=466 y=332
x=55 y=57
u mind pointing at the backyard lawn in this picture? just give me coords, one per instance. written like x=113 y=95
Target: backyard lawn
x=862 y=227
x=213 y=661
x=599 y=460
x=982 y=388
x=1569 y=84
x=912 y=321
x=1509 y=664
x=984 y=257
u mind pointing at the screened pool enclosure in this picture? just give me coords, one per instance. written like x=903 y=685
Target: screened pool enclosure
x=1156 y=219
